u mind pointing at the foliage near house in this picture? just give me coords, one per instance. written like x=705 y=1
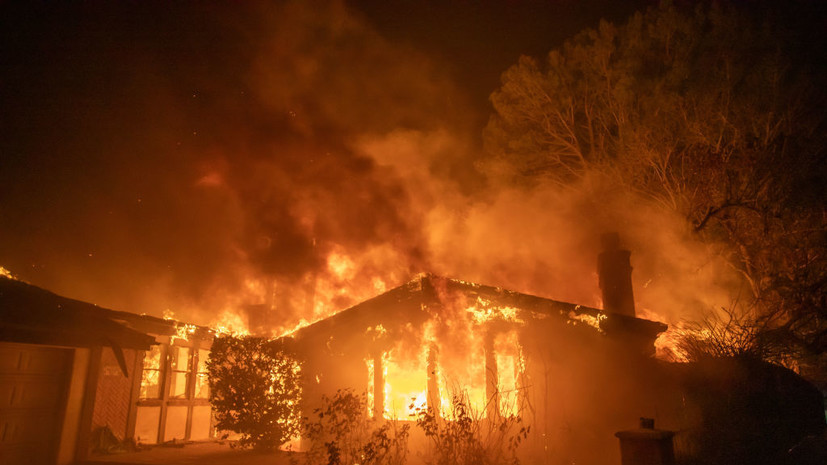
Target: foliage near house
x=255 y=390
x=341 y=433
x=463 y=436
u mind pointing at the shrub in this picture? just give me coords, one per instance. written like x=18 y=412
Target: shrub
x=341 y=433
x=254 y=390
x=463 y=436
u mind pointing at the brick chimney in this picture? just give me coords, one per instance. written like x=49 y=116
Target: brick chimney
x=615 y=272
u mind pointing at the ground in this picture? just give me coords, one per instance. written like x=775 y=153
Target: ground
x=212 y=453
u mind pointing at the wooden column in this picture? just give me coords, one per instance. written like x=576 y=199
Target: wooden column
x=137 y=376
x=166 y=373
x=192 y=364
x=433 y=380
x=378 y=385
x=90 y=392
x=492 y=394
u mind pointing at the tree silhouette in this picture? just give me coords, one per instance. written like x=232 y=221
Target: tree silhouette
x=709 y=111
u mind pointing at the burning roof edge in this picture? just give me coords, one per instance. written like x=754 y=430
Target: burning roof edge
x=424 y=289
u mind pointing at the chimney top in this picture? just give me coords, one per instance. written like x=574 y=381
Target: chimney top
x=615 y=276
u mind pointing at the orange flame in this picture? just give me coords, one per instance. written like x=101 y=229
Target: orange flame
x=437 y=371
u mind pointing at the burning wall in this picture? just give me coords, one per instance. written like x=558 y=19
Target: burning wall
x=504 y=353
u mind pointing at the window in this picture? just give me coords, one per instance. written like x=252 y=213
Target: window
x=202 y=386
x=151 y=374
x=173 y=399
x=179 y=368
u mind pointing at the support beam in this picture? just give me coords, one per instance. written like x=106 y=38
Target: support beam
x=433 y=380
x=91 y=390
x=492 y=395
x=378 y=385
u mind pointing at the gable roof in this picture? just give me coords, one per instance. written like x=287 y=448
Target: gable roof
x=406 y=302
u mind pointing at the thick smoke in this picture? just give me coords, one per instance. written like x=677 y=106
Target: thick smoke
x=213 y=163
x=283 y=157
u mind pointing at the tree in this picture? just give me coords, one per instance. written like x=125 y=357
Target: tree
x=713 y=113
x=254 y=390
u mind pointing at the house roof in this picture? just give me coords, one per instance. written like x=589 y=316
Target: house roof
x=405 y=302
x=29 y=314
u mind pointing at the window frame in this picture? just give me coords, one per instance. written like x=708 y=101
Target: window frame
x=175 y=371
x=159 y=373
x=165 y=400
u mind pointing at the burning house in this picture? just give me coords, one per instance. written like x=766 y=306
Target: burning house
x=74 y=375
x=574 y=373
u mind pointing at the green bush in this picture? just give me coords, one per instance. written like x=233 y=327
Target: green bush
x=254 y=390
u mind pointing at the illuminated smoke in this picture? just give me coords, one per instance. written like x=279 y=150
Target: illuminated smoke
x=283 y=162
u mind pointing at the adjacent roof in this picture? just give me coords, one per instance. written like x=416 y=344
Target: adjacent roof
x=29 y=314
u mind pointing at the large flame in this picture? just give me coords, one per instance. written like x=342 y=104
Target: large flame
x=272 y=307
x=460 y=363
x=510 y=367
x=318 y=186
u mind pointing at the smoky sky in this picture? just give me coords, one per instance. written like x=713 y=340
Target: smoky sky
x=159 y=155
x=169 y=143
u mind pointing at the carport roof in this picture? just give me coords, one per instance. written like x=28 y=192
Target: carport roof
x=29 y=314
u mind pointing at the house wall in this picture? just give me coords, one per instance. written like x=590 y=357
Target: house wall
x=583 y=387
x=579 y=386
x=114 y=393
x=116 y=400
